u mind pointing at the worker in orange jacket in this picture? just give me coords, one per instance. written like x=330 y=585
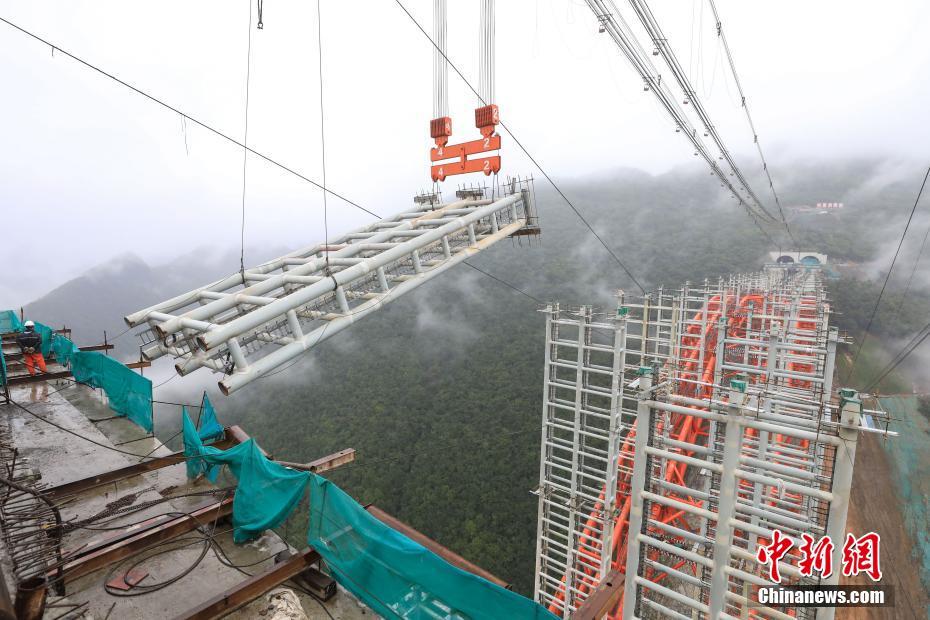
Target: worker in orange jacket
x=30 y=343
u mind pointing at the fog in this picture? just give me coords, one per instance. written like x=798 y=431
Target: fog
x=91 y=170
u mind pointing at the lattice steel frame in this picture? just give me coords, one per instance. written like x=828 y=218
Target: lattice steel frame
x=580 y=446
x=298 y=300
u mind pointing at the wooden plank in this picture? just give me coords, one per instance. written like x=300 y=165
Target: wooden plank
x=326 y=463
x=97 y=347
x=244 y=593
x=603 y=599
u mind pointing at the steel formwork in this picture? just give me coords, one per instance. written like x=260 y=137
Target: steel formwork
x=726 y=429
x=589 y=407
x=581 y=411
x=298 y=300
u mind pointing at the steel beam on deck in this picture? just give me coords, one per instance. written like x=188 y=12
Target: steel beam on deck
x=247 y=591
x=85 y=484
x=36 y=378
x=89 y=560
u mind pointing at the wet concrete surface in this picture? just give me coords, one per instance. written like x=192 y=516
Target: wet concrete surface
x=61 y=456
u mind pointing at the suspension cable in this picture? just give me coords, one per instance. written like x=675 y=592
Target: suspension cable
x=878 y=301
x=745 y=106
x=649 y=22
x=902 y=355
x=613 y=23
x=910 y=278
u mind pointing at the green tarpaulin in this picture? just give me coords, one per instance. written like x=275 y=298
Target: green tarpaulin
x=389 y=572
x=9 y=322
x=2 y=368
x=129 y=393
x=210 y=428
x=194 y=450
x=267 y=493
x=64 y=349
x=46 y=333
x=396 y=576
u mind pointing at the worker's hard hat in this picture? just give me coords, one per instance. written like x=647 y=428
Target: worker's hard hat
x=29 y=324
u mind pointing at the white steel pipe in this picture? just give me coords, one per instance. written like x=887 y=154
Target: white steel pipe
x=395 y=225
x=307 y=294
x=290 y=351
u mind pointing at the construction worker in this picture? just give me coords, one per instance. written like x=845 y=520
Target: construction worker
x=30 y=343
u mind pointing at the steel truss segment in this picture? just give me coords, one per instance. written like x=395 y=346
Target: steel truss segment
x=255 y=321
x=729 y=430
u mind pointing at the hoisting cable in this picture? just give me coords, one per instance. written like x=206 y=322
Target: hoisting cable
x=319 y=41
x=504 y=282
x=486 y=66
x=440 y=66
x=202 y=124
x=245 y=142
x=878 y=301
x=523 y=148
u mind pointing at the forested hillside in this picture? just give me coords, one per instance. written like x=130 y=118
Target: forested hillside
x=441 y=393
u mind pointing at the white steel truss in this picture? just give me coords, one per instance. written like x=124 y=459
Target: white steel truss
x=298 y=300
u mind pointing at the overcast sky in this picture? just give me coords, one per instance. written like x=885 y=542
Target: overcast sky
x=90 y=169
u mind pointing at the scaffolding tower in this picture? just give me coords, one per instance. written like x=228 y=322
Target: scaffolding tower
x=678 y=434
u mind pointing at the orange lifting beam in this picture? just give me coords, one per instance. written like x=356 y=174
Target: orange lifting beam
x=454 y=159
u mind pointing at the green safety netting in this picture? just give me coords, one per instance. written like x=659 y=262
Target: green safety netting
x=2 y=368
x=396 y=576
x=194 y=451
x=129 y=393
x=389 y=572
x=46 y=333
x=9 y=322
x=267 y=492
x=210 y=428
x=64 y=349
